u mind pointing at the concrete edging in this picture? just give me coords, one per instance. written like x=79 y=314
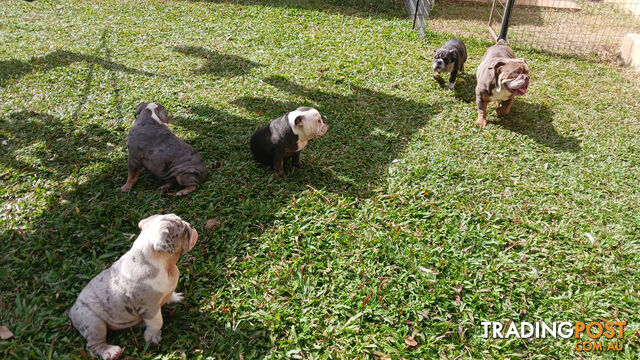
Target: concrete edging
x=630 y=50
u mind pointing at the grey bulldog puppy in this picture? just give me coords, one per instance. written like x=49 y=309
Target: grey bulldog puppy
x=135 y=287
x=449 y=58
x=153 y=146
x=285 y=137
x=501 y=77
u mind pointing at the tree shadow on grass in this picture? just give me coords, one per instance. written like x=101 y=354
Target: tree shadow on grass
x=360 y=8
x=218 y=64
x=536 y=122
x=13 y=69
x=465 y=89
x=57 y=146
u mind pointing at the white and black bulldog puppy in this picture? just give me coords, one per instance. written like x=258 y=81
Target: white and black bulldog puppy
x=449 y=59
x=153 y=146
x=135 y=287
x=285 y=137
x=501 y=77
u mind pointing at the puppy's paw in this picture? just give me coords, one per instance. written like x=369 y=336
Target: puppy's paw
x=186 y=191
x=109 y=352
x=125 y=187
x=279 y=174
x=299 y=164
x=502 y=111
x=481 y=123
x=451 y=86
x=153 y=337
x=165 y=187
x=176 y=297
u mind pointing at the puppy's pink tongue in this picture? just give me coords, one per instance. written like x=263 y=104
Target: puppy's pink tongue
x=520 y=92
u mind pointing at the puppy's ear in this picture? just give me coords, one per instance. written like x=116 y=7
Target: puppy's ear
x=171 y=237
x=165 y=241
x=144 y=222
x=495 y=67
x=454 y=53
x=299 y=121
x=162 y=113
x=497 y=64
x=139 y=108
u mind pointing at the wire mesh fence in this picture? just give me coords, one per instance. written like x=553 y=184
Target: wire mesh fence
x=583 y=27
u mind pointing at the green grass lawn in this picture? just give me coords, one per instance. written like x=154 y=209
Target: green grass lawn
x=406 y=220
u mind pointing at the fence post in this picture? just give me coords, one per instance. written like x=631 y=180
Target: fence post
x=505 y=20
x=415 y=15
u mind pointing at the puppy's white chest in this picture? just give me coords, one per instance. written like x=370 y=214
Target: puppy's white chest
x=449 y=68
x=446 y=69
x=501 y=95
x=301 y=144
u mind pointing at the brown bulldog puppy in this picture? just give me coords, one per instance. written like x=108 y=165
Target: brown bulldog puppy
x=153 y=146
x=500 y=77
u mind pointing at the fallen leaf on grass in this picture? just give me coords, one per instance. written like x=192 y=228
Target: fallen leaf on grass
x=366 y=300
x=5 y=333
x=410 y=341
x=211 y=223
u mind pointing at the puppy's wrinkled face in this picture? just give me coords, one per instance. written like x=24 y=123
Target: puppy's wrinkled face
x=444 y=59
x=158 y=112
x=169 y=233
x=308 y=123
x=514 y=75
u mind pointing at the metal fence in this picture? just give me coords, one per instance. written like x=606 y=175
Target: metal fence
x=581 y=27
x=419 y=11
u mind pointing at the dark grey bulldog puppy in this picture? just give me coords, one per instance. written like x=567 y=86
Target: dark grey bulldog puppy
x=153 y=146
x=136 y=286
x=285 y=137
x=450 y=58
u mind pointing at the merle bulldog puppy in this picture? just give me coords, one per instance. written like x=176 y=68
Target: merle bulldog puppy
x=153 y=146
x=501 y=77
x=285 y=137
x=449 y=59
x=135 y=287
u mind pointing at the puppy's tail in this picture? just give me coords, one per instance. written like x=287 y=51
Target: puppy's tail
x=501 y=42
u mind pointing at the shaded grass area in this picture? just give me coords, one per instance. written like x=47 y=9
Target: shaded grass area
x=406 y=220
